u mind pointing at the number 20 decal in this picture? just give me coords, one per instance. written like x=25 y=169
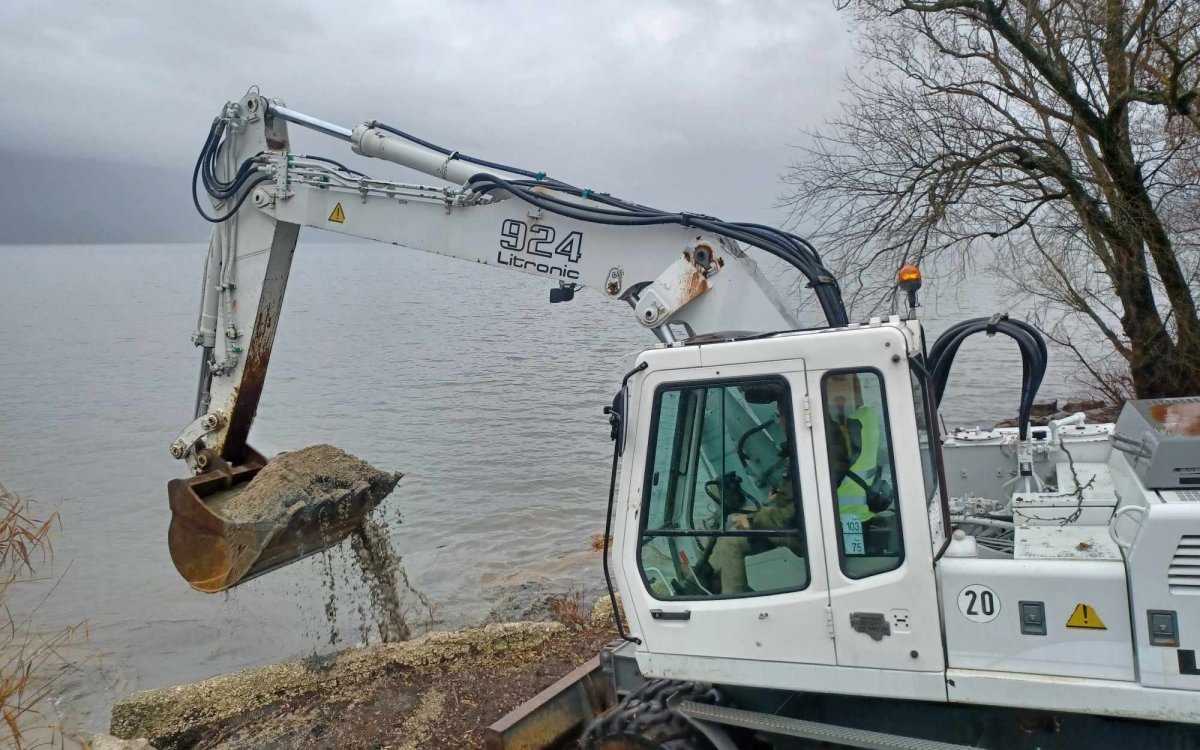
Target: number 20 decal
x=539 y=239
x=979 y=603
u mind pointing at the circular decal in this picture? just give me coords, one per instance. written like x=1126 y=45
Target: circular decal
x=978 y=603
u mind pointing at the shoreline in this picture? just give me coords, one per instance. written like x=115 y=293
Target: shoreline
x=440 y=690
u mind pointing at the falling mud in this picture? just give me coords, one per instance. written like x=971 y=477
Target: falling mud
x=315 y=483
x=370 y=579
x=380 y=568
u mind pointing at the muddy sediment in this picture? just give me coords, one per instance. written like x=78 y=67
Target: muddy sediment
x=389 y=593
x=313 y=476
x=300 y=502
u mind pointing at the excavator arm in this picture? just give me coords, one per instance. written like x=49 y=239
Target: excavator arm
x=682 y=274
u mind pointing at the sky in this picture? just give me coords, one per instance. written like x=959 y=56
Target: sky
x=685 y=104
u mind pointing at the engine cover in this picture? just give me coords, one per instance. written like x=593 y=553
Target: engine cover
x=1161 y=439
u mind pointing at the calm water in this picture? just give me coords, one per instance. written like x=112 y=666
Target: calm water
x=465 y=378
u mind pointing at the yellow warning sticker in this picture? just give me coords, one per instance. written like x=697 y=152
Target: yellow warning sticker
x=338 y=214
x=1085 y=617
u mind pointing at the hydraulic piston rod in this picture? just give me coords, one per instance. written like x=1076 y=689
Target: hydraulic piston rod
x=307 y=121
x=368 y=140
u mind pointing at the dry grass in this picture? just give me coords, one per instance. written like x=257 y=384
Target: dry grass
x=30 y=661
x=568 y=609
x=601 y=543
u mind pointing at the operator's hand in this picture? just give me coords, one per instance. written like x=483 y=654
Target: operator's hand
x=740 y=521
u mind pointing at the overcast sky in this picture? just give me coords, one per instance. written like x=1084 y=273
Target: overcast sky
x=686 y=104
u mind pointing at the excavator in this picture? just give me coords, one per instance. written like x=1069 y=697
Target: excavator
x=804 y=556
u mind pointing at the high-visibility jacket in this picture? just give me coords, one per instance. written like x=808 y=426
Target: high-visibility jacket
x=852 y=495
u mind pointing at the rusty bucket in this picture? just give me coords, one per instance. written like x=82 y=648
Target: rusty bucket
x=214 y=553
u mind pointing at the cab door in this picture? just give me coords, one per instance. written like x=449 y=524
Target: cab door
x=722 y=550
x=878 y=550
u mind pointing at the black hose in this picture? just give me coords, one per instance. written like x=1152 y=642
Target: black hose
x=794 y=250
x=455 y=154
x=337 y=164
x=236 y=206
x=771 y=234
x=1034 y=358
x=741 y=443
x=215 y=186
x=218 y=189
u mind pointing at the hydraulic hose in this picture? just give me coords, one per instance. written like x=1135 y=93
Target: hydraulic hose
x=205 y=172
x=337 y=164
x=794 y=250
x=455 y=154
x=1034 y=358
x=236 y=205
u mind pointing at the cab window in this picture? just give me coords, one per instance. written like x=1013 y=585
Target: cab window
x=721 y=511
x=930 y=473
x=925 y=437
x=861 y=472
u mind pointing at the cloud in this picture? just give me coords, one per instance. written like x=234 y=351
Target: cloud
x=683 y=102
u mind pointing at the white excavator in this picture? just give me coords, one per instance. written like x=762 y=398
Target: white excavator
x=803 y=559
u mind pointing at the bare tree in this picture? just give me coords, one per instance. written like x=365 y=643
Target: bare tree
x=1062 y=137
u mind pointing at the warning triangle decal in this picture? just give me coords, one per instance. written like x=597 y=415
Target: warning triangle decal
x=1085 y=617
x=338 y=214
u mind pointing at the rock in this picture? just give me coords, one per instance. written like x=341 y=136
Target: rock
x=1104 y=413
x=1033 y=421
x=533 y=600
x=1083 y=405
x=1096 y=412
x=602 y=612
x=108 y=742
x=528 y=601
x=1044 y=409
x=171 y=715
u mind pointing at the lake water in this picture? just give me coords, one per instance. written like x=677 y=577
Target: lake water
x=488 y=397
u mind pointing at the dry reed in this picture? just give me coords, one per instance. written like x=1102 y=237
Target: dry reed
x=31 y=663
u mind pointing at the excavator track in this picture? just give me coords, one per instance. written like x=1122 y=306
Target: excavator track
x=643 y=720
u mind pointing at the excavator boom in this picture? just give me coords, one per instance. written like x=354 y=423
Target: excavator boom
x=684 y=275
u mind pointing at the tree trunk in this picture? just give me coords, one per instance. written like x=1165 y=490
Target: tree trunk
x=1160 y=367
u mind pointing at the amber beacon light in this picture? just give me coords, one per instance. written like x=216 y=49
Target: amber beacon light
x=909 y=281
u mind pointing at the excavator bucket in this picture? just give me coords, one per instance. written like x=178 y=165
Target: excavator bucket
x=313 y=506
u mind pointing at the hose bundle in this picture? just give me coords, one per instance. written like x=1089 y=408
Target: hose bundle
x=791 y=248
x=206 y=170
x=1029 y=340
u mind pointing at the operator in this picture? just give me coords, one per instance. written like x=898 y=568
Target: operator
x=854 y=430
x=728 y=559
